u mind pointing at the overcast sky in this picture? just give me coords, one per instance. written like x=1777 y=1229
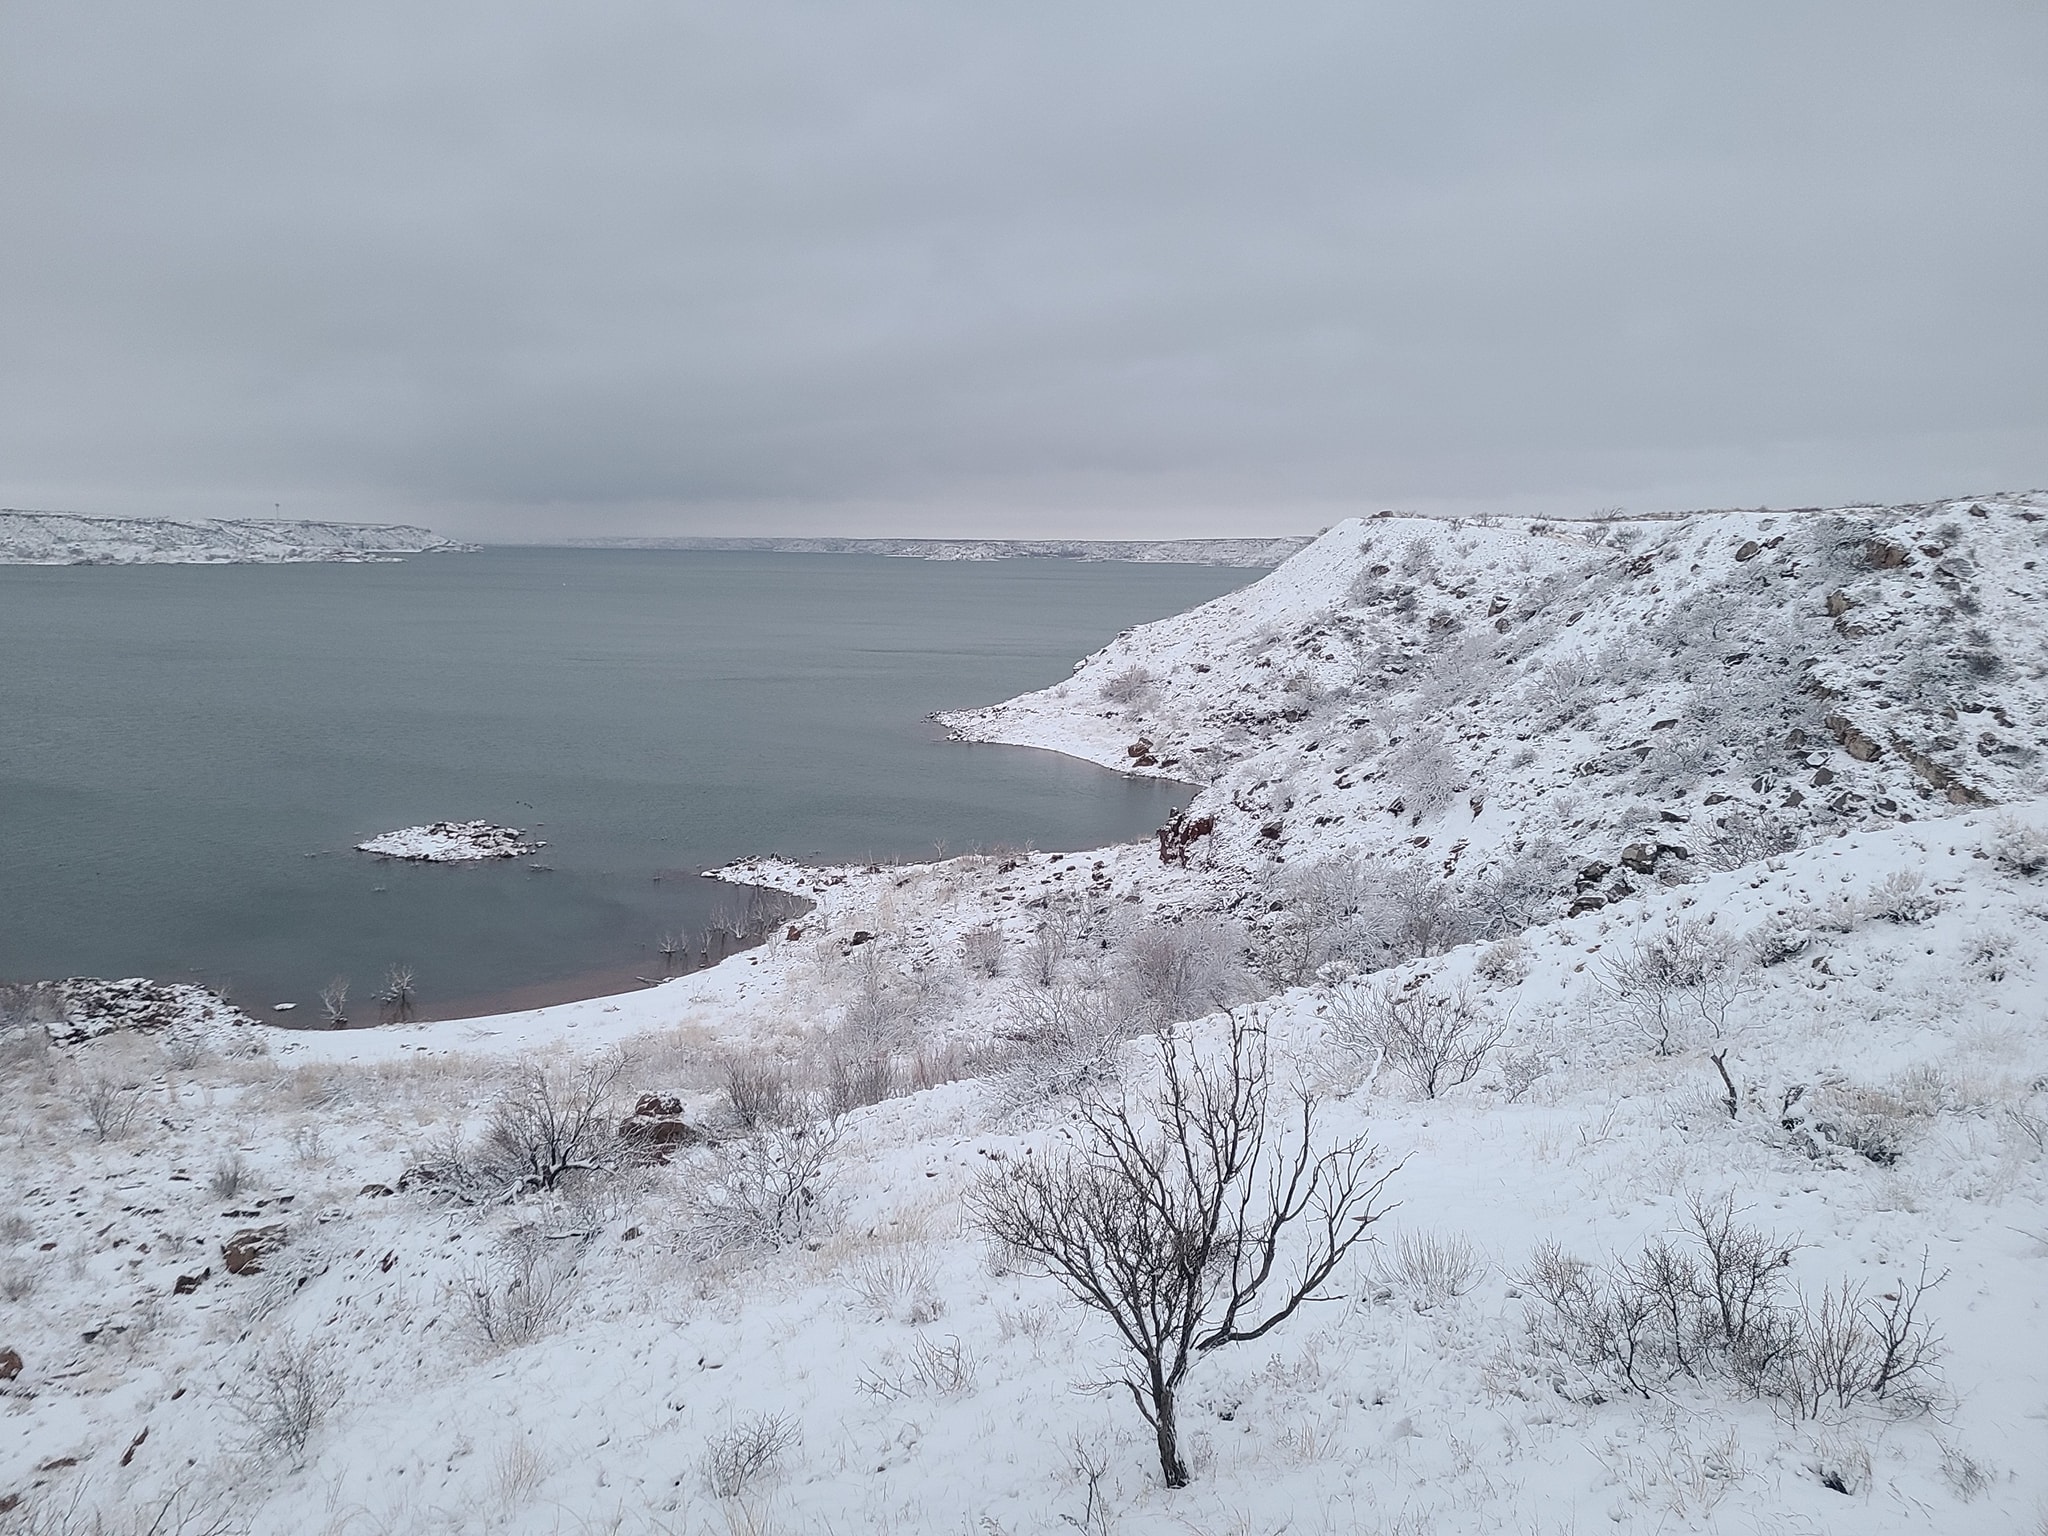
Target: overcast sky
x=1106 y=268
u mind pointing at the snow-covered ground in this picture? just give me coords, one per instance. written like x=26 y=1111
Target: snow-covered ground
x=1726 y=837
x=452 y=842
x=65 y=538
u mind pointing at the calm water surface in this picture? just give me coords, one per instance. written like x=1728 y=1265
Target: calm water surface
x=187 y=753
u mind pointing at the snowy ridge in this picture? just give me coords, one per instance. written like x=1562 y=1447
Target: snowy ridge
x=1805 y=976
x=1751 y=678
x=64 y=538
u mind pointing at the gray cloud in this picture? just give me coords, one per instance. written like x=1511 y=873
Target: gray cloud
x=522 y=270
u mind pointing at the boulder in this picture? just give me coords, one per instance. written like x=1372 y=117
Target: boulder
x=10 y=1364
x=245 y=1251
x=185 y=1285
x=1854 y=742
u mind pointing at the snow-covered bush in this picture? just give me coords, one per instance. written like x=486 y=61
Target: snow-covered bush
x=1167 y=971
x=899 y=1281
x=2019 y=849
x=110 y=1105
x=1779 y=938
x=929 y=1369
x=1505 y=961
x=1424 y=773
x=1436 y=1042
x=1131 y=686
x=1509 y=895
x=1062 y=1041
x=229 y=1174
x=858 y=1072
x=1321 y=915
x=1898 y=898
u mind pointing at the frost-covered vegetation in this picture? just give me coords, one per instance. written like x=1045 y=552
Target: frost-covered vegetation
x=1580 y=1060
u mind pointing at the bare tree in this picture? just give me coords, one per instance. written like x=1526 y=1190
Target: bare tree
x=396 y=993
x=670 y=945
x=549 y=1124
x=1174 y=1215
x=1667 y=983
x=334 y=1001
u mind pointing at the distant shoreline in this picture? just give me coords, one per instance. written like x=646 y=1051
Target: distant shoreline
x=1251 y=554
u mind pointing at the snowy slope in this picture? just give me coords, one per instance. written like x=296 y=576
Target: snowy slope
x=1871 y=978
x=63 y=538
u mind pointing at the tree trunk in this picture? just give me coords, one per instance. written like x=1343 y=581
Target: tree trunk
x=1171 y=1467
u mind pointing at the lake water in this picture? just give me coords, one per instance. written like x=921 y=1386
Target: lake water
x=188 y=753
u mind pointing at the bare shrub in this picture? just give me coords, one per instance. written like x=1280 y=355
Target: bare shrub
x=760 y=1088
x=1131 y=686
x=858 y=1073
x=1669 y=983
x=517 y=1298
x=1422 y=913
x=552 y=1122
x=772 y=1189
x=2019 y=849
x=931 y=1369
x=981 y=951
x=899 y=1282
x=1743 y=838
x=1063 y=1041
x=109 y=1106
x=1436 y=1042
x=738 y=1458
x=1063 y=931
x=1174 y=971
x=1175 y=1213
x=1431 y=1267
x=182 y=1051
x=284 y=1395
x=1712 y=1304
x=178 y=1511
x=1324 y=917
x=229 y=1174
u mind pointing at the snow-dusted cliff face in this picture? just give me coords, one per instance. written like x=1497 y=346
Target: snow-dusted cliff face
x=63 y=538
x=1517 y=703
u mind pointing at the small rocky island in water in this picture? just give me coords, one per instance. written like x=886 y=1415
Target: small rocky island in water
x=452 y=842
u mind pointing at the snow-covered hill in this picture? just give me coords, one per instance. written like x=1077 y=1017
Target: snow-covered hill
x=64 y=538
x=1711 y=853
